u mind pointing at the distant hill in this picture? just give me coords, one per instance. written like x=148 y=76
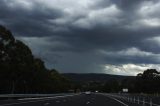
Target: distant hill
x=87 y=77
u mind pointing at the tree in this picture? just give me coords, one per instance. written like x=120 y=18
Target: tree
x=21 y=72
x=148 y=81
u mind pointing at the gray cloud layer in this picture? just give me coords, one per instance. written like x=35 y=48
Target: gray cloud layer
x=87 y=35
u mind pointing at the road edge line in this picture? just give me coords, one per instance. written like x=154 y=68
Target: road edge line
x=117 y=100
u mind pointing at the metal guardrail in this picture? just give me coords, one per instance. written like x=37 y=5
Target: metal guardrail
x=134 y=99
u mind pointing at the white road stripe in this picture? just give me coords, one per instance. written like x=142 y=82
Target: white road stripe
x=115 y=99
x=46 y=104
x=57 y=101
x=87 y=102
x=118 y=101
x=41 y=99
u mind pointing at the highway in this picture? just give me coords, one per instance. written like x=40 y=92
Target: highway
x=70 y=100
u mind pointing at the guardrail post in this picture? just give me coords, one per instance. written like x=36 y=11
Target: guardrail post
x=130 y=99
x=150 y=102
x=138 y=100
x=143 y=101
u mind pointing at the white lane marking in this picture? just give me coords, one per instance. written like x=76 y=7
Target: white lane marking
x=120 y=102
x=87 y=102
x=41 y=100
x=46 y=104
x=57 y=101
x=44 y=97
x=29 y=98
x=117 y=100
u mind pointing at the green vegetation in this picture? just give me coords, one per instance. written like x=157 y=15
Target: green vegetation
x=146 y=82
x=21 y=72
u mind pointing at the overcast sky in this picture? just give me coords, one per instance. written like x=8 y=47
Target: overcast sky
x=91 y=36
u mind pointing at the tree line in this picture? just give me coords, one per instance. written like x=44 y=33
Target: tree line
x=21 y=72
x=146 y=82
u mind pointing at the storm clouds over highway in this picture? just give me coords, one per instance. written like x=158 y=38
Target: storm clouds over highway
x=95 y=36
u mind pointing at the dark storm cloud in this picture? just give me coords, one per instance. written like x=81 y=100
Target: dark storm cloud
x=28 y=22
x=60 y=31
x=128 y=4
x=130 y=59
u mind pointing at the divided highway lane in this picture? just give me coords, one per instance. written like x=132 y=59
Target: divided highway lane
x=76 y=100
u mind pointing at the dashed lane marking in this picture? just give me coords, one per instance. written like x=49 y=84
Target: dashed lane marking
x=46 y=104
x=88 y=103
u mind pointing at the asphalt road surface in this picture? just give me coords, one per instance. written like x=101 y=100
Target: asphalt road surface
x=70 y=100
